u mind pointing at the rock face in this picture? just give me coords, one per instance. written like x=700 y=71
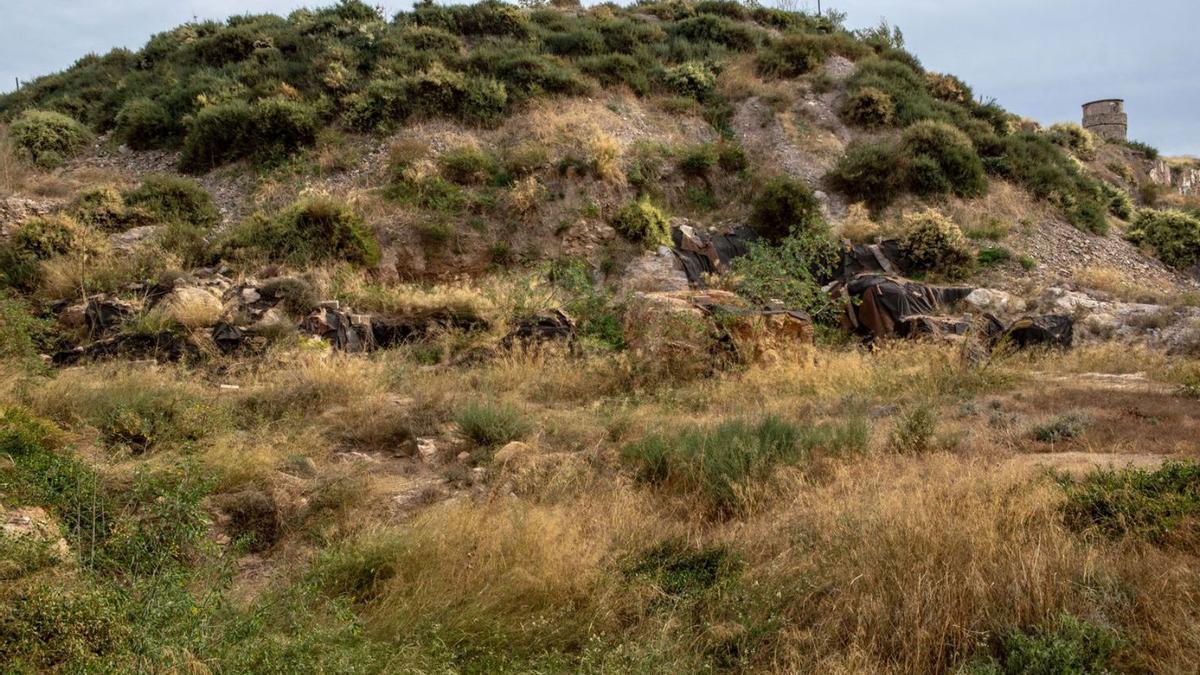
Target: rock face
x=995 y=302
x=13 y=210
x=31 y=525
x=1175 y=329
x=1183 y=179
x=699 y=329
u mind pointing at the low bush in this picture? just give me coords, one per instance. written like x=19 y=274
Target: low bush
x=717 y=30
x=143 y=124
x=870 y=108
x=793 y=55
x=643 y=222
x=693 y=79
x=993 y=255
x=786 y=206
x=466 y=165
x=21 y=332
x=1031 y=160
x=1070 y=645
x=1174 y=236
x=731 y=158
x=698 y=160
x=913 y=430
x=1075 y=138
x=1064 y=427
x=46 y=138
x=267 y=130
x=1161 y=506
x=170 y=199
x=792 y=272
x=932 y=242
x=1146 y=150
x=103 y=207
x=311 y=230
x=871 y=173
x=942 y=160
x=492 y=424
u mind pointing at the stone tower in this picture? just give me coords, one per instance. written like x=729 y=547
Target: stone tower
x=1106 y=118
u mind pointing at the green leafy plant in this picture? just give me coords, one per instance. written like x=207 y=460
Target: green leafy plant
x=1174 y=236
x=1161 y=506
x=786 y=206
x=312 y=229
x=47 y=138
x=643 y=222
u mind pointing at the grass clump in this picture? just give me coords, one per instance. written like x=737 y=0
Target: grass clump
x=22 y=333
x=683 y=571
x=1161 y=506
x=1174 y=236
x=721 y=464
x=46 y=138
x=311 y=230
x=643 y=222
x=932 y=242
x=1064 y=427
x=492 y=424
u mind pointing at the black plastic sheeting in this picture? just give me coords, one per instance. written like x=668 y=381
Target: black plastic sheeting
x=882 y=258
x=1049 y=330
x=720 y=250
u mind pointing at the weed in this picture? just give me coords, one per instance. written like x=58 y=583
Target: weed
x=493 y=424
x=1160 y=506
x=1063 y=427
x=914 y=429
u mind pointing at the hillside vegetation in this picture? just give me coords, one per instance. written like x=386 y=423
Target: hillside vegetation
x=350 y=343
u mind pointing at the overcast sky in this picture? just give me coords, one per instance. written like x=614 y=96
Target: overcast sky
x=1039 y=58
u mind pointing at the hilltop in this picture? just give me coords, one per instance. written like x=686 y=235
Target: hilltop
x=680 y=336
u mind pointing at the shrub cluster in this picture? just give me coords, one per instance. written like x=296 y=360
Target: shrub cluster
x=1174 y=236
x=930 y=159
x=47 y=138
x=311 y=230
x=266 y=130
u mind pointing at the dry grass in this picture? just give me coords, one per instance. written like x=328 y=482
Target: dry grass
x=1120 y=286
x=858 y=227
x=14 y=174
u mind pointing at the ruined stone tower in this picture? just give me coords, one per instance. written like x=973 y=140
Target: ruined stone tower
x=1106 y=118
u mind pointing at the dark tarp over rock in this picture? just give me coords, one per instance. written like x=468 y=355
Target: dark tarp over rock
x=703 y=254
x=1050 y=330
x=882 y=306
x=546 y=326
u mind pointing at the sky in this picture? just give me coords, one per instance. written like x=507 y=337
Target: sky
x=1037 y=58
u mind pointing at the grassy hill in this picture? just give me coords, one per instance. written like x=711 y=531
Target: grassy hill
x=350 y=343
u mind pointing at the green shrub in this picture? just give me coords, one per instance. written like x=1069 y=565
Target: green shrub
x=904 y=85
x=870 y=108
x=492 y=424
x=267 y=130
x=527 y=74
x=693 y=78
x=731 y=158
x=1062 y=427
x=1031 y=160
x=993 y=255
x=641 y=221
x=791 y=272
x=698 y=160
x=792 y=55
x=170 y=199
x=484 y=101
x=717 y=30
x=143 y=124
x=46 y=138
x=281 y=127
x=1161 y=506
x=466 y=165
x=786 y=206
x=1071 y=645
x=216 y=135
x=871 y=173
x=21 y=332
x=1120 y=204
x=1074 y=138
x=104 y=208
x=44 y=237
x=614 y=69
x=1173 y=235
x=55 y=627
x=311 y=230
x=932 y=242
x=942 y=160
x=914 y=429
x=1145 y=150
